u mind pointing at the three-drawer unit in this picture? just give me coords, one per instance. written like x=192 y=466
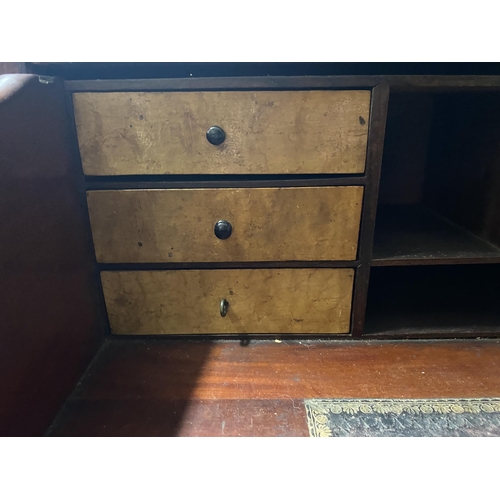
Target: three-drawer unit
x=225 y=212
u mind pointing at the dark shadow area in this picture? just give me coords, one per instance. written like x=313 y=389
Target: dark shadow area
x=134 y=388
x=439 y=197
x=52 y=323
x=441 y=298
x=190 y=387
x=438 y=213
x=82 y=71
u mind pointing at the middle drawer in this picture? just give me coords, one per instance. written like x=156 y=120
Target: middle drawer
x=265 y=224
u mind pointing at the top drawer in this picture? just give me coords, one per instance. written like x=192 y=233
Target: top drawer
x=266 y=132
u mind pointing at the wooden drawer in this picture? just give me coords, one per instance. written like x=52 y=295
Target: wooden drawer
x=268 y=224
x=260 y=301
x=266 y=132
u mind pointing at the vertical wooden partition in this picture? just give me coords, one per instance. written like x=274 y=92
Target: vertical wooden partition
x=51 y=323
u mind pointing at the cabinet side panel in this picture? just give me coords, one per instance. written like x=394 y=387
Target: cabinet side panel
x=51 y=323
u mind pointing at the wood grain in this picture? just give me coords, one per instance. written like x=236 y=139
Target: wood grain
x=176 y=369
x=295 y=301
x=169 y=387
x=269 y=224
x=178 y=418
x=132 y=133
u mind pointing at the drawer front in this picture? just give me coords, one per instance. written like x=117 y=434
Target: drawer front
x=259 y=301
x=268 y=224
x=266 y=132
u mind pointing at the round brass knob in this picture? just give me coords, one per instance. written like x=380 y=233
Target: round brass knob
x=223 y=229
x=216 y=136
x=224 y=304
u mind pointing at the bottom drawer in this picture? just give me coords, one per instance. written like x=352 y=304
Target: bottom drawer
x=267 y=301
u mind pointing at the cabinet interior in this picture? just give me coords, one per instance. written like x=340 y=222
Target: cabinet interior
x=436 y=253
x=441 y=299
x=439 y=196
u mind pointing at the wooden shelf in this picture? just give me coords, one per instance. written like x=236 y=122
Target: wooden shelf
x=440 y=300
x=414 y=235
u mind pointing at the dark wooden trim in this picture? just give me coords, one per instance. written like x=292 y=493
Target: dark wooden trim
x=396 y=83
x=82 y=195
x=415 y=335
x=159 y=266
x=225 y=83
x=434 y=261
x=378 y=116
x=442 y=83
x=221 y=177
x=244 y=339
x=376 y=134
x=216 y=183
x=359 y=300
x=435 y=333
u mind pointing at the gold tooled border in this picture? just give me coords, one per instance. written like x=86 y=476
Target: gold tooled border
x=317 y=410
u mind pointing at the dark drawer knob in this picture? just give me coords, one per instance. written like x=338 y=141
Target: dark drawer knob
x=223 y=229
x=224 y=304
x=216 y=136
